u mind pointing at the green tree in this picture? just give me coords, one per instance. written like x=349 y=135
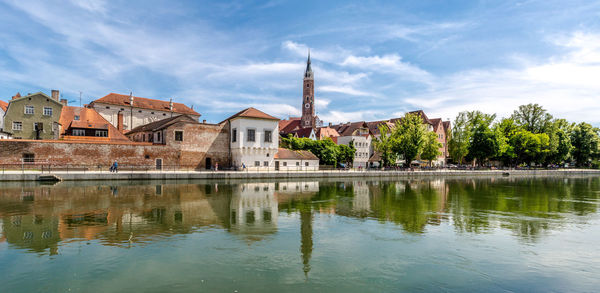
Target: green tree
x=346 y=153
x=483 y=144
x=585 y=143
x=529 y=147
x=431 y=147
x=409 y=137
x=533 y=118
x=458 y=144
x=384 y=144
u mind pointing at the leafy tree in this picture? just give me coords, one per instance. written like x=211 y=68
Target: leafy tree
x=529 y=147
x=409 y=137
x=483 y=144
x=431 y=147
x=585 y=143
x=458 y=145
x=326 y=150
x=560 y=142
x=533 y=118
x=347 y=153
x=384 y=144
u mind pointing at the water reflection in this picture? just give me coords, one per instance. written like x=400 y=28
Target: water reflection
x=39 y=218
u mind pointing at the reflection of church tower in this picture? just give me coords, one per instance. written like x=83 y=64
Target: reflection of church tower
x=306 y=246
x=308 y=98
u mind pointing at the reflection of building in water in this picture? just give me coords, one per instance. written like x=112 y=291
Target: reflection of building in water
x=306 y=233
x=361 y=201
x=296 y=187
x=253 y=210
x=33 y=232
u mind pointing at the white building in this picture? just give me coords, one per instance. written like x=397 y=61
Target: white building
x=127 y=112
x=360 y=136
x=254 y=139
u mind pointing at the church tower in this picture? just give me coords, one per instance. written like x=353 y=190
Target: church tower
x=308 y=98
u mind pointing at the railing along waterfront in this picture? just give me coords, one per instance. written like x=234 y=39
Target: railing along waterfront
x=47 y=167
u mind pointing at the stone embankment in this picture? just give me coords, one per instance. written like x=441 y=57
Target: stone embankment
x=190 y=175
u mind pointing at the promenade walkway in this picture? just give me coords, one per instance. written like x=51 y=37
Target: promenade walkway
x=28 y=175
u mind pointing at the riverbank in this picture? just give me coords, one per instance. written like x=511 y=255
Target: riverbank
x=190 y=175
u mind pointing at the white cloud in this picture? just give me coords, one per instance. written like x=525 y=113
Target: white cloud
x=566 y=85
x=348 y=90
x=342 y=117
x=389 y=63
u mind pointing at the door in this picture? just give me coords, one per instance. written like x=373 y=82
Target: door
x=158 y=164
x=276 y=165
x=208 y=164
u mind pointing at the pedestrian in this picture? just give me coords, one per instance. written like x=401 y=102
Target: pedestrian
x=243 y=166
x=216 y=166
x=115 y=167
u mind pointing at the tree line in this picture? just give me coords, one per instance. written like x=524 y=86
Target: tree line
x=529 y=136
x=326 y=150
x=408 y=139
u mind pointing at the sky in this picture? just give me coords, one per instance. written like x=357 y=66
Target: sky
x=372 y=60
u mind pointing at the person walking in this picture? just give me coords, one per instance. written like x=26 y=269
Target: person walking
x=216 y=166
x=115 y=167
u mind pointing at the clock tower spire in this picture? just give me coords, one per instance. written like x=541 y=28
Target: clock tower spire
x=308 y=97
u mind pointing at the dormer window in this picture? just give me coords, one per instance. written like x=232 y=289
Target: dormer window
x=76 y=118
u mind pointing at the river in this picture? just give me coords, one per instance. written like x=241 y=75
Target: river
x=521 y=234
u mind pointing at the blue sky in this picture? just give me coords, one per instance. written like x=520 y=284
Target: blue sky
x=372 y=59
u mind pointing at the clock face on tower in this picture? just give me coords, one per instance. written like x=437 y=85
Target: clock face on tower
x=307 y=105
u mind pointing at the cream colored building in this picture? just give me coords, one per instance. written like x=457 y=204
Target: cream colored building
x=127 y=112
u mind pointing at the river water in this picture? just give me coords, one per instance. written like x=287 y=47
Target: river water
x=451 y=235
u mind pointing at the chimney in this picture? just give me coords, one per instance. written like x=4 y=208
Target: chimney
x=204 y=121
x=130 y=98
x=64 y=102
x=171 y=105
x=18 y=95
x=330 y=124
x=120 y=121
x=55 y=95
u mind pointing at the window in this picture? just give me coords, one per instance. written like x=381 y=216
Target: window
x=151 y=112
x=268 y=136
x=284 y=164
x=102 y=133
x=17 y=126
x=158 y=136
x=178 y=135
x=76 y=118
x=29 y=110
x=28 y=158
x=251 y=135
x=47 y=111
x=266 y=163
x=122 y=109
x=38 y=126
x=256 y=164
x=164 y=114
x=306 y=164
x=297 y=163
x=234 y=135
x=78 y=132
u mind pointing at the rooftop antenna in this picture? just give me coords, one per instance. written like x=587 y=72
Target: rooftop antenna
x=80 y=98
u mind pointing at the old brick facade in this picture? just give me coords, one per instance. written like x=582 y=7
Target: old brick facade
x=201 y=141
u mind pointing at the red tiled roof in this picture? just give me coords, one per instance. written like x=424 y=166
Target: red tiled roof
x=88 y=118
x=251 y=113
x=159 y=105
x=160 y=124
x=287 y=126
x=3 y=105
x=18 y=95
x=323 y=132
x=348 y=129
x=287 y=154
x=302 y=132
